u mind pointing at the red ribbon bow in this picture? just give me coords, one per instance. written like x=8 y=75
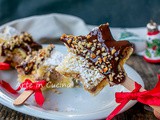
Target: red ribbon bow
x=28 y=85
x=36 y=87
x=150 y=97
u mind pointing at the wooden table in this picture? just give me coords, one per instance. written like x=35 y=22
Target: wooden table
x=147 y=71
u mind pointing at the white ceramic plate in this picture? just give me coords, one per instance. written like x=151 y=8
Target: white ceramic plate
x=73 y=103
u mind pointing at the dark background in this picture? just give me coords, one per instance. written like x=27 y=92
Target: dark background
x=119 y=13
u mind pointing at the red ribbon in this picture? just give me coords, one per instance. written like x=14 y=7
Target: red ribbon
x=150 y=97
x=4 y=66
x=28 y=85
x=7 y=87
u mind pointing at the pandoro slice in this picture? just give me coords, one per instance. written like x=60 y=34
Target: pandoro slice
x=96 y=59
x=41 y=66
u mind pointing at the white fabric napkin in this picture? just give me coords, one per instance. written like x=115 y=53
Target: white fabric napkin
x=54 y=25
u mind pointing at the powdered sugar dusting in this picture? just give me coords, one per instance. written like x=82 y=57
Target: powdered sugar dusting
x=77 y=64
x=55 y=58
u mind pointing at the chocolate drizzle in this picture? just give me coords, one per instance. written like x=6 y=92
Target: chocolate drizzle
x=102 y=51
x=33 y=61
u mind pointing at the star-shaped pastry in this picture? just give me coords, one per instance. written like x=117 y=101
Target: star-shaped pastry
x=102 y=51
x=41 y=65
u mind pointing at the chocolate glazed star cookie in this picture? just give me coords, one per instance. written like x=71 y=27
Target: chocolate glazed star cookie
x=96 y=59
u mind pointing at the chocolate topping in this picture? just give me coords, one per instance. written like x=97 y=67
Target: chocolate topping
x=101 y=50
